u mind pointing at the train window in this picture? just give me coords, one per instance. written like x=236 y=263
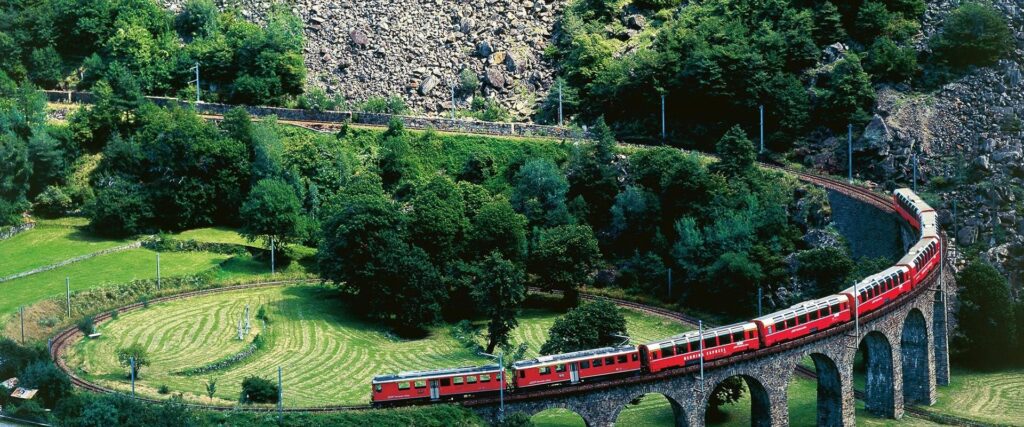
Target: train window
x=812 y=316
x=471 y=379
x=623 y=358
x=610 y=360
x=737 y=337
x=709 y=342
x=560 y=368
x=597 y=362
x=544 y=370
x=901 y=276
x=681 y=348
x=458 y=380
x=378 y=388
x=668 y=351
x=420 y=384
x=485 y=378
x=636 y=356
x=403 y=386
x=522 y=374
x=584 y=364
x=724 y=339
x=445 y=382
x=780 y=326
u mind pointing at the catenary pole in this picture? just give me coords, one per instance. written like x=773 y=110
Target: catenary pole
x=759 y=297
x=560 y=104
x=663 y=116
x=280 y=396
x=849 y=151
x=856 y=312
x=670 y=283
x=21 y=310
x=67 y=282
x=158 y=271
x=760 y=109
x=271 y=255
x=453 y=102
x=132 y=369
x=700 y=329
x=915 y=172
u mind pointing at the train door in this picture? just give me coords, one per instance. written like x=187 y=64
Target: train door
x=574 y=372
x=435 y=390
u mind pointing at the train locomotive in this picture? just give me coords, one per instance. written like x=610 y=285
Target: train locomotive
x=688 y=349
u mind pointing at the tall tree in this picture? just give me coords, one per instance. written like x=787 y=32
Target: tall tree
x=565 y=258
x=736 y=153
x=539 y=192
x=986 y=316
x=497 y=227
x=271 y=212
x=14 y=178
x=438 y=219
x=498 y=292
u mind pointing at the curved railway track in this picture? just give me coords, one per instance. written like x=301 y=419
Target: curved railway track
x=882 y=202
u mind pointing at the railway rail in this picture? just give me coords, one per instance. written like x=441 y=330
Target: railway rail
x=879 y=201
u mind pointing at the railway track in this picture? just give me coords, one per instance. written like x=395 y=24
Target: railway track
x=879 y=201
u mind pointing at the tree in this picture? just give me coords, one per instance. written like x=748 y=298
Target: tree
x=591 y=325
x=259 y=390
x=850 y=96
x=828 y=25
x=498 y=293
x=497 y=227
x=593 y=177
x=828 y=267
x=51 y=382
x=890 y=62
x=973 y=34
x=45 y=69
x=564 y=258
x=539 y=193
x=438 y=219
x=728 y=391
x=14 y=178
x=211 y=384
x=51 y=161
x=271 y=213
x=135 y=352
x=121 y=208
x=736 y=153
x=635 y=217
x=986 y=317
x=198 y=18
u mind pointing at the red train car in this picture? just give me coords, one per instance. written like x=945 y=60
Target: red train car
x=880 y=289
x=803 y=319
x=444 y=384
x=572 y=368
x=922 y=258
x=685 y=349
x=910 y=206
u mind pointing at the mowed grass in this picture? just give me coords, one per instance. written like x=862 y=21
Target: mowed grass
x=327 y=355
x=117 y=267
x=989 y=397
x=51 y=241
x=215 y=235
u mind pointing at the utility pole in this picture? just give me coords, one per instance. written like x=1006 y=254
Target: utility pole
x=196 y=81
x=158 y=271
x=915 y=172
x=271 y=255
x=453 y=102
x=280 y=396
x=67 y=282
x=501 y=382
x=761 y=110
x=849 y=150
x=856 y=314
x=663 y=116
x=700 y=329
x=21 y=310
x=132 y=369
x=954 y=217
x=560 y=104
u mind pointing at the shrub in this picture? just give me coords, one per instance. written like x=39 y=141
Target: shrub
x=134 y=353
x=114 y=314
x=52 y=383
x=973 y=34
x=145 y=301
x=211 y=387
x=468 y=81
x=52 y=202
x=888 y=61
x=390 y=105
x=164 y=389
x=258 y=390
x=488 y=110
x=86 y=325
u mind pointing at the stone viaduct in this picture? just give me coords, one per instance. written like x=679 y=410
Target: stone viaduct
x=905 y=344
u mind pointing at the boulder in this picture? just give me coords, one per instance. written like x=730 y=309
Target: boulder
x=636 y=22
x=428 y=84
x=833 y=53
x=484 y=49
x=967 y=235
x=359 y=39
x=877 y=135
x=497 y=57
x=495 y=78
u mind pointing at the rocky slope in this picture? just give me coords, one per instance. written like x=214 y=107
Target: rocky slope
x=969 y=140
x=416 y=48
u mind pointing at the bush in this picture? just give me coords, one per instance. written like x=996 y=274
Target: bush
x=52 y=383
x=164 y=389
x=145 y=301
x=827 y=267
x=973 y=34
x=987 y=331
x=134 y=354
x=468 y=81
x=114 y=314
x=86 y=325
x=258 y=390
x=488 y=110
x=390 y=105
x=52 y=203
x=890 y=62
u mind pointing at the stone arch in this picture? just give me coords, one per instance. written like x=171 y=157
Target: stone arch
x=563 y=415
x=760 y=400
x=678 y=413
x=830 y=390
x=914 y=340
x=879 y=397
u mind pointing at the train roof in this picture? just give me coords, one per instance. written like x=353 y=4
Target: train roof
x=691 y=335
x=583 y=354
x=802 y=307
x=414 y=375
x=872 y=279
x=916 y=250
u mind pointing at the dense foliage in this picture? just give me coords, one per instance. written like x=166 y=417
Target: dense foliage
x=973 y=34
x=591 y=325
x=79 y=43
x=259 y=390
x=987 y=330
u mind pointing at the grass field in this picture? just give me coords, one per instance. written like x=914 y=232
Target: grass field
x=118 y=267
x=988 y=397
x=214 y=235
x=328 y=356
x=51 y=241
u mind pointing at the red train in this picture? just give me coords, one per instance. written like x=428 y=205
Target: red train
x=687 y=349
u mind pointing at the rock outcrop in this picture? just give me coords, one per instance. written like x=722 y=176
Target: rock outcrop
x=417 y=48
